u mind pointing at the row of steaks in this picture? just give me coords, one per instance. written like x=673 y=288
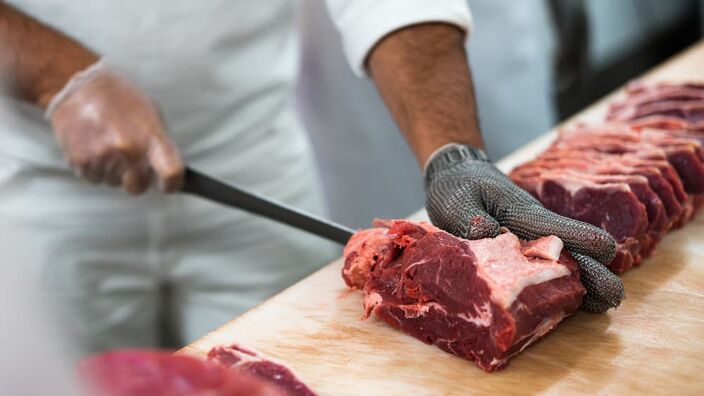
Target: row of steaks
x=636 y=175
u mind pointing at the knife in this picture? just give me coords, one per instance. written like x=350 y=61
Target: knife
x=228 y=194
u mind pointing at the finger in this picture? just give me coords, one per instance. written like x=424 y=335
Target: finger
x=95 y=171
x=114 y=170
x=480 y=225
x=534 y=221
x=113 y=180
x=460 y=215
x=166 y=163
x=604 y=288
x=135 y=180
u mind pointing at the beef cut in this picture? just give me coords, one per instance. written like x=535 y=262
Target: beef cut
x=484 y=300
x=607 y=202
x=248 y=361
x=637 y=176
x=158 y=373
x=663 y=103
x=661 y=177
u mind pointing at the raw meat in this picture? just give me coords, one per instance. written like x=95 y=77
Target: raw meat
x=156 y=373
x=484 y=300
x=684 y=153
x=667 y=186
x=666 y=122
x=636 y=176
x=235 y=356
x=610 y=204
x=675 y=101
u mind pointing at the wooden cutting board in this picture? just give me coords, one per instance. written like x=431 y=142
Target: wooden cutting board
x=653 y=344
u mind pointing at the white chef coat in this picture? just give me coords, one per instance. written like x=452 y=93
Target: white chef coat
x=360 y=151
x=221 y=72
x=36 y=359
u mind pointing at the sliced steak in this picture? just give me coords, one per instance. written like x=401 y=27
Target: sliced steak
x=275 y=373
x=598 y=164
x=658 y=223
x=682 y=101
x=156 y=373
x=654 y=132
x=685 y=155
x=612 y=206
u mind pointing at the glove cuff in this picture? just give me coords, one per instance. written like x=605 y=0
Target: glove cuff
x=74 y=83
x=449 y=155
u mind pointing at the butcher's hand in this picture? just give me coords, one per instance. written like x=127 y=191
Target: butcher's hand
x=111 y=132
x=469 y=197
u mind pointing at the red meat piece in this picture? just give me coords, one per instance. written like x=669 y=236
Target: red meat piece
x=483 y=300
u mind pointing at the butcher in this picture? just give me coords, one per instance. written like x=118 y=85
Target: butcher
x=124 y=94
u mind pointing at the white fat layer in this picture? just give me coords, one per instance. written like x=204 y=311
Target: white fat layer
x=371 y=300
x=412 y=311
x=501 y=264
x=259 y=357
x=483 y=318
x=546 y=248
x=574 y=184
x=244 y=357
x=543 y=328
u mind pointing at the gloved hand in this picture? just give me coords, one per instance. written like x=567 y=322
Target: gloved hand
x=470 y=198
x=112 y=133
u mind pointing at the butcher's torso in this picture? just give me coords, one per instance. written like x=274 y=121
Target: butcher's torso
x=221 y=72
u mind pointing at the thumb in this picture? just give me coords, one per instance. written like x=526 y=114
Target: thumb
x=478 y=224
x=461 y=219
x=604 y=288
x=166 y=163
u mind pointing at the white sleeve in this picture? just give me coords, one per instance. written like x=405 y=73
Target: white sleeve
x=362 y=23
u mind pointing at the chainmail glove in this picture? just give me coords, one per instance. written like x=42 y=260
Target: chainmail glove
x=466 y=195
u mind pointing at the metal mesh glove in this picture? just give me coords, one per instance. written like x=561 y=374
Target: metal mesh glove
x=467 y=196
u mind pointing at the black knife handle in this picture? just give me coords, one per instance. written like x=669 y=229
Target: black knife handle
x=228 y=194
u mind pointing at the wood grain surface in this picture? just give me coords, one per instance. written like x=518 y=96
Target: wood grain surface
x=653 y=344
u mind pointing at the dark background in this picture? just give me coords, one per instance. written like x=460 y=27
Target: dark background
x=579 y=82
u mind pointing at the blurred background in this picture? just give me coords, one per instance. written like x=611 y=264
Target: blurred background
x=535 y=63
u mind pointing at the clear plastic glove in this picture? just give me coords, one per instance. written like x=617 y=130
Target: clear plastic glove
x=112 y=133
x=469 y=197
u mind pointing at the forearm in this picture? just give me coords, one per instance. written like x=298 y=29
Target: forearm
x=36 y=59
x=423 y=76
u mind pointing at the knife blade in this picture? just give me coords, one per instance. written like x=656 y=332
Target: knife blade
x=208 y=187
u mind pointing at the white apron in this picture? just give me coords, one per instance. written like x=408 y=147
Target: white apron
x=221 y=72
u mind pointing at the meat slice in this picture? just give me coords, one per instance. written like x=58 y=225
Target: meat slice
x=666 y=122
x=610 y=155
x=680 y=101
x=594 y=163
x=685 y=155
x=612 y=206
x=484 y=300
x=650 y=153
x=250 y=362
x=687 y=110
x=156 y=373
x=657 y=221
